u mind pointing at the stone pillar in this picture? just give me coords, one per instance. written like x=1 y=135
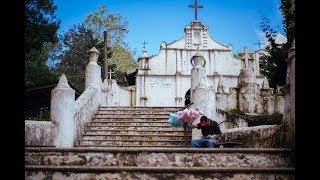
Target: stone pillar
x=288 y=127
x=142 y=94
x=93 y=70
x=62 y=111
x=202 y=95
x=249 y=91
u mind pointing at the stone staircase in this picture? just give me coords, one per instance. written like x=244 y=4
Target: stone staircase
x=138 y=143
x=134 y=127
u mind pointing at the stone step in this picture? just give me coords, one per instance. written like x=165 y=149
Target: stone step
x=155 y=111
x=137 y=132
x=128 y=127
x=124 y=137
x=180 y=143
x=142 y=108
x=136 y=146
x=159 y=157
x=132 y=116
x=128 y=123
x=131 y=119
x=115 y=172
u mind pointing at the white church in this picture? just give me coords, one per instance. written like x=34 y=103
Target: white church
x=165 y=78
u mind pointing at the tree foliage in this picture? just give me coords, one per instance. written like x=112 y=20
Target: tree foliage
x=76 y=42
x=119 y=56
x=274 y=67
x=41 y=28
x=288 y=12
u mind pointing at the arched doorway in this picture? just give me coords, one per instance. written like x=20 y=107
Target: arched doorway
x=187 y=98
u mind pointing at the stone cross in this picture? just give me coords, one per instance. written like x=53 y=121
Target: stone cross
x=246 y=56
x=258 y=43
x=144 y=44
x=110 y=73
x=195 y=6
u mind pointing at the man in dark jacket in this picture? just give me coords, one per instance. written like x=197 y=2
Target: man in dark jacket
x=211 y=133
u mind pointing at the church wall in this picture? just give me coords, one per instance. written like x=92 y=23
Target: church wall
x=169 y=61
x=117 y=96
x=226 y=64
x=162 y=90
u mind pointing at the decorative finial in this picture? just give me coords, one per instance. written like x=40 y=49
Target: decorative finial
x=93 y=54
x=63 y=82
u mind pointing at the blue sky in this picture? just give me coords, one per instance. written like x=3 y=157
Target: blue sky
x=234 y=22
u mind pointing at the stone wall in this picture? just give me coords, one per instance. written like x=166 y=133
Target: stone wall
x=39 y=133
x=265 y=136
x=265 y=102
x=116 y=95
x=225 y=123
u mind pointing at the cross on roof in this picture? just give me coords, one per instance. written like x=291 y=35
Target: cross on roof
x=195 y=6
x=258 y=43
x=144 y=44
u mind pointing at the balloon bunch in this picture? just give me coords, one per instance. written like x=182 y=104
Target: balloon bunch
x=187 y=115
x=190 y=115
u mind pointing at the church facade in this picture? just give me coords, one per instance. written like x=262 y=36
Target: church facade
x=164 y=79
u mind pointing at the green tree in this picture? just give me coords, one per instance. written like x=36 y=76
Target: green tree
x=41 y=28
x=76 y=42
x=274 y=67
x=120 y=56
x=289 y=20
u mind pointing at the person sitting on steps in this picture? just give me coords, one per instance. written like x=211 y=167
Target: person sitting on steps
x=211 y=133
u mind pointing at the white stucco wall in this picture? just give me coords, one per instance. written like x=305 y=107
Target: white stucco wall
x=86 y=106
x=162 y=90
x=118 y=96
x=170 y=61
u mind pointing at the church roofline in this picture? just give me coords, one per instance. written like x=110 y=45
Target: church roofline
x=226 y=46
x=175 y=41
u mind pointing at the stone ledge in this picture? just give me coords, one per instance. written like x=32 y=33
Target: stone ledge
x=161 y=150
x=242 y=129
x=287 y=170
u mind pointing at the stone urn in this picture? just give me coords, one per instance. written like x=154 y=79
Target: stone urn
x=198 y=59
